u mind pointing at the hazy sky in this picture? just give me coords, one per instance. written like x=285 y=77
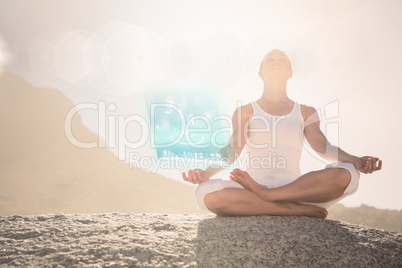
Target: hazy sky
x=347 y=52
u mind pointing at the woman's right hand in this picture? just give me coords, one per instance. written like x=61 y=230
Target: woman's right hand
x=196 y=176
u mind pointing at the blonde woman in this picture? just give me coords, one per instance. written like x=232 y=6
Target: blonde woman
x=274 y=126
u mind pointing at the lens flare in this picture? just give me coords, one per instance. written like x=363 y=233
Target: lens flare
x=5 y=55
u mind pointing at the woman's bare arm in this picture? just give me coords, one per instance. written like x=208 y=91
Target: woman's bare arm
x=320 y=144
x=232 y=149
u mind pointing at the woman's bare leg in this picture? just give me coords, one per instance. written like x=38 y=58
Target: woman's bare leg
x=316 y=186
x=241 y=202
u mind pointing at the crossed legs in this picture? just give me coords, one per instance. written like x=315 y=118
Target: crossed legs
x=242 y=202
x=255 y=199
x=316 y=186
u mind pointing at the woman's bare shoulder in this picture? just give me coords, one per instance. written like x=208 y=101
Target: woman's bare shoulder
x=245 y=110
x=307 y=111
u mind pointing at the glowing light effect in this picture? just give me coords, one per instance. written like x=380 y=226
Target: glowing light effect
x=5 y=55
x=185 y=123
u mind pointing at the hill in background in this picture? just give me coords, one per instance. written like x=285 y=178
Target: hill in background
x=390 y=220
x=42 y=172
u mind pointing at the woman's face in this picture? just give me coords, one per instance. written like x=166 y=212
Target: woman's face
x=275 y=62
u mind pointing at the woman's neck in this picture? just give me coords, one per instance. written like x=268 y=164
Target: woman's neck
x=275 y=92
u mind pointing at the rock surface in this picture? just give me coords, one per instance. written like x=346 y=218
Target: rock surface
x=191 y=240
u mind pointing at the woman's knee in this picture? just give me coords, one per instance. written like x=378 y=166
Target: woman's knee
x=216 y=202
x=342 y=177
x=349 y=166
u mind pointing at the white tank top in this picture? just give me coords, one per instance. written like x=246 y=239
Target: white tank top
x=274 y=143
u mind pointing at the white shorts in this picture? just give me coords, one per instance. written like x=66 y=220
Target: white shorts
x=213 y=185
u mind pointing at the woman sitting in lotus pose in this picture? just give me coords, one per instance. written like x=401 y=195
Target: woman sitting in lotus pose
x=276 y=126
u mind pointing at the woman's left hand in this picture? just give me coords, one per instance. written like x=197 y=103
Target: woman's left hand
x=368 y=164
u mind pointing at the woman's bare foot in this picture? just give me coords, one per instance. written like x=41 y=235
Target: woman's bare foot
x=306 y=210
x=243 y=178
